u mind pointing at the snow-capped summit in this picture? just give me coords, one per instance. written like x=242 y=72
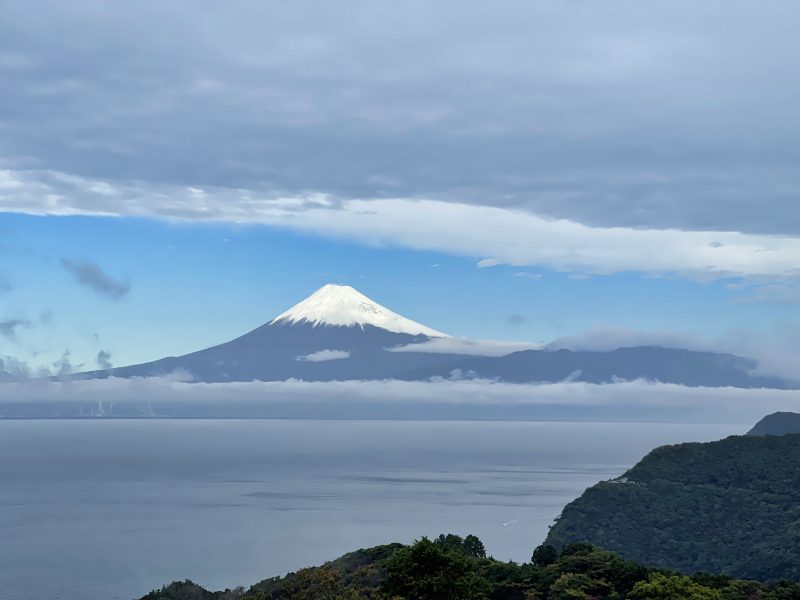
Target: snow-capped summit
x=344 y=306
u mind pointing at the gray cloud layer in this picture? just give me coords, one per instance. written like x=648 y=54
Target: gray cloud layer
x=8 y=328
x=92 y=276
x=103 y=360
x=676 y=115
x=398 y=399
x=14 y=367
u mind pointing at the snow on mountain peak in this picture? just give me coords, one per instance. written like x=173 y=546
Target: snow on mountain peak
x=344 y=306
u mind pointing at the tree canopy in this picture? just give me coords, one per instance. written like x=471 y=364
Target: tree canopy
x=453 y=568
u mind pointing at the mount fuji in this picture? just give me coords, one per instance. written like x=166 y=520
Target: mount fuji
x=338 y=333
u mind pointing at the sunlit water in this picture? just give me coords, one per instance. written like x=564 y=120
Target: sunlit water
x=103 y=510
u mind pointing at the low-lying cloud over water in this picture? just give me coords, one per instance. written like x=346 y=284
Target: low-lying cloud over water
x=443 y=399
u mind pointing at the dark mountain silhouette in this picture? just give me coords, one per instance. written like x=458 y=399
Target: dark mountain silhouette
x=779 y=423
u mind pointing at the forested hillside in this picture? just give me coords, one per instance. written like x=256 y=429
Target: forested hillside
x=452 y=568
x=730 y=507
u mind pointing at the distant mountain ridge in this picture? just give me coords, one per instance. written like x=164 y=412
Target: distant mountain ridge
x=667 y=365
x=338 y=334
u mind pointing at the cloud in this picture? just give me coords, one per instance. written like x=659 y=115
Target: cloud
x=325 y=355
x=92 y=276
x=103 y=360
x=516 y=320
x=520 y=238
x=455 y=345
x=533 y=276
x=8 y=328
x=600 y=125
x=392 y=399
x=63 y=366
x=14 y=367
x=505 y=236
x=20 y=369
x=776 y=352
x=485 y=263
x=605 y=339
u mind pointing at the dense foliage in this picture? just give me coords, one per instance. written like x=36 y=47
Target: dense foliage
x=452 y=568
x=730 y=507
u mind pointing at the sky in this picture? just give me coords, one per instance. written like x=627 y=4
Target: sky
x=174 y=174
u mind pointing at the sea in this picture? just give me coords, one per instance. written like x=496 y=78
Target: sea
x=110 y=509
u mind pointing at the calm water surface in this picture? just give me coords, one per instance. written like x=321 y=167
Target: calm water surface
x=105 y=510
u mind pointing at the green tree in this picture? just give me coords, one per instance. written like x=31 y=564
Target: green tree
x=672 y=587
x=474 y=547
x=433 y=571
x=577 y=586
x=576 y=548
x=544 y=555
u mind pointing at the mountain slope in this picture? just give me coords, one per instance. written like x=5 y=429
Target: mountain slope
x=668 y=365
x=278 y=351
x=779 y=423
x=728 y=507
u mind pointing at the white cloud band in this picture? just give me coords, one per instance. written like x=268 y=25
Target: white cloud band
x=399 y=399
x=495 y=235
x=325 y=355
x=456 y=345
